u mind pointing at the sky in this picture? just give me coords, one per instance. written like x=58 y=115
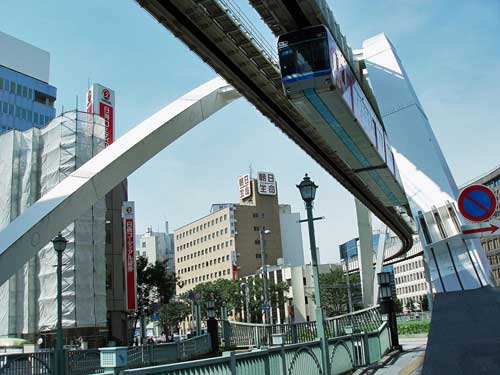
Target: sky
x=449 y=49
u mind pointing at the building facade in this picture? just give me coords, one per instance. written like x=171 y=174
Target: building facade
x=153 y=246
x=491 y=245
x=26 y=98
x=226 y=242
x=409 y=275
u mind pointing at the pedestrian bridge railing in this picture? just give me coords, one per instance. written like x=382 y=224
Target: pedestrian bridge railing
x=244 y=335
x=85 y=362
x=346 y=353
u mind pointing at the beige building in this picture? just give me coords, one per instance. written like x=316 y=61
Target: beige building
x=226 y=243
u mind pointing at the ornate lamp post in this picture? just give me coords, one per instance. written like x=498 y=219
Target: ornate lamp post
x=59 y=246
x=386 y=295
x=307 y=190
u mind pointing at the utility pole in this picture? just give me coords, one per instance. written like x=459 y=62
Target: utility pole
x=266 y=307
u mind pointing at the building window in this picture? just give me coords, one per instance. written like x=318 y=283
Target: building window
x=19 y=90
x=255 y=215
x=12 y=87
x=257 y=255
x=257 y=242
x=255 y=229
x=306 y=300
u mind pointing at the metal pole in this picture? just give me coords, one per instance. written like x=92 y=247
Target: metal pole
x=349 y=297
x=320 y=321
x=267 y=319
x=59 y=333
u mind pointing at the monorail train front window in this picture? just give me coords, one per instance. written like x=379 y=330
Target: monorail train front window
x=304 y=57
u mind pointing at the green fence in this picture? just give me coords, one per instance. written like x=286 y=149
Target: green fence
x=245 y=335
x=346 y=353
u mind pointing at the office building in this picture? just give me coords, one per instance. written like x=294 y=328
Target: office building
x=153 y=246
x=226 y=242
x=26 y=98
x=491 y=245
x=409 y=275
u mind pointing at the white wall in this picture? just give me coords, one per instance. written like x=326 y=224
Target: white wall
x=291 y=236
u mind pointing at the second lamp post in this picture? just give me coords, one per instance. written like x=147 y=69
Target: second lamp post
x=307 y=190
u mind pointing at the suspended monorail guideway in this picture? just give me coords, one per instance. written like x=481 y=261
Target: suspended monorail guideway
x=348 y=141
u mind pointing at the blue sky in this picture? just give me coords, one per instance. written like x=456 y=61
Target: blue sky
x=449 y=49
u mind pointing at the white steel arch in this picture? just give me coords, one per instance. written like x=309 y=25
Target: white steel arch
x=41 y=222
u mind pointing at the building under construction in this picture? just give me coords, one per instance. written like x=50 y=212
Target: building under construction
x=33 y=162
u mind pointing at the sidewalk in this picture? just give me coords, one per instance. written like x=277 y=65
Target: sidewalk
x=409 y=362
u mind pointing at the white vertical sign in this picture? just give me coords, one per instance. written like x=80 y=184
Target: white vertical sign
x=266 y=183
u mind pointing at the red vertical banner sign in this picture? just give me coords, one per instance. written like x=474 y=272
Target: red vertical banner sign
x=101 y=100
x=130 y=263
x=106 y=111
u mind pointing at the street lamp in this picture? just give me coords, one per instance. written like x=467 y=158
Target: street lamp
x=262 y=233
x=385 y=290
x=307 y=190
x=59 y=246
x=245 y=287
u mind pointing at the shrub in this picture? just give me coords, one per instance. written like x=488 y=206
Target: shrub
x=413 y=327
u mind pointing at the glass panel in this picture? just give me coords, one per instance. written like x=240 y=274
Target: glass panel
x=305 y=57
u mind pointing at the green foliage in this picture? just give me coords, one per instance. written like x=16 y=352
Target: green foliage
x=398 y=305
x=230 y=293
x=154 y=284
x=172 y=313
x=221 y=291
x=334 y=294
x=425 y=303
x=413 y=327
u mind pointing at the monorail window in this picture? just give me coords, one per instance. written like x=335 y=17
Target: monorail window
x=304 y=57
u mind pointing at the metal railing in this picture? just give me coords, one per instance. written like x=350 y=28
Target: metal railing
x=239 y=335
x=245 y=25
x=26 y=363
x=84 y=362
x=346 y=353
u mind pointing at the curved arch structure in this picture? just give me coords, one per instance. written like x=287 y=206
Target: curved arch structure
x=41 y=222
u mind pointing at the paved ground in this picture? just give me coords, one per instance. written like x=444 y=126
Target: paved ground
x=409 y=362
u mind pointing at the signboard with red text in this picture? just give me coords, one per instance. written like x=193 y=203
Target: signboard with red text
x=101 y=100
x=266 y=183
x=128 y=214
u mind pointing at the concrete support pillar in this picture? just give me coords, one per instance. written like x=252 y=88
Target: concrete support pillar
x=365 y=254
x=379 y=263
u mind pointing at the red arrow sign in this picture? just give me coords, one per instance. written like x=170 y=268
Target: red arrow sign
x=491 y=229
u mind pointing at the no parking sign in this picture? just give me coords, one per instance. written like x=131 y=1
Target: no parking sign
x=477 y=203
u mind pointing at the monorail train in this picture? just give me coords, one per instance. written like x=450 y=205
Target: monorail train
x=321 y=85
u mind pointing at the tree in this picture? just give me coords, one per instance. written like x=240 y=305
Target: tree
x=425 y=303
x=409 y=304
x=276 y=294
x=221 y=291
x=230 y=293
x=334 y=294
x=171 y=314
x=154 y=285
x=398 y=305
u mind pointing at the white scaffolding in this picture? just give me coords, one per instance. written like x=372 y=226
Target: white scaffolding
x=34 y=162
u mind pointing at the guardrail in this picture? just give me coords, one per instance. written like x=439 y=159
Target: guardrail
x=244 y=335
x=26 y=363
x=346 y=353
x=84 y=362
